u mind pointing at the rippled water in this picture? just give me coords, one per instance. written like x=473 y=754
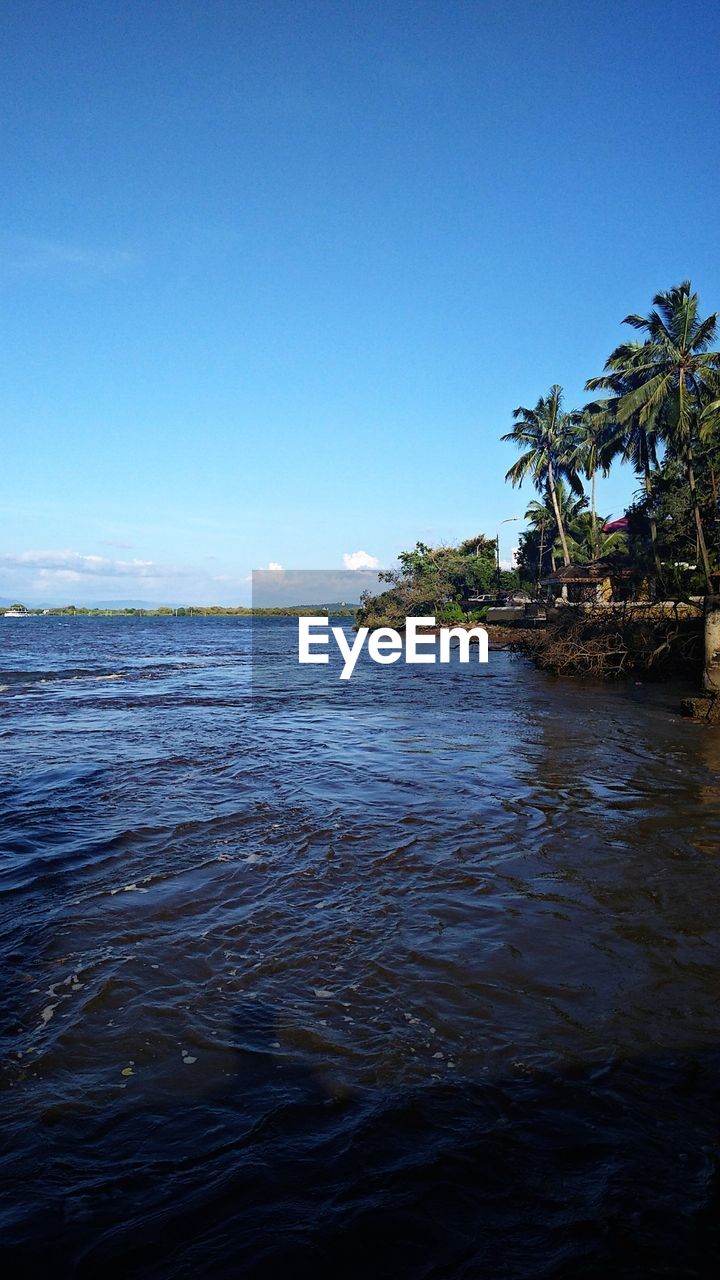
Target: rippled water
x=414 y=977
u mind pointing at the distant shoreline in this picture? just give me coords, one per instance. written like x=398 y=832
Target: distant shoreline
x=194 y=611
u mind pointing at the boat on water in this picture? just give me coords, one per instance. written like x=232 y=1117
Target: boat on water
x=17 y=611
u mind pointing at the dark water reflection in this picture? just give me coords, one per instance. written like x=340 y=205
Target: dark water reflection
x=417 y=977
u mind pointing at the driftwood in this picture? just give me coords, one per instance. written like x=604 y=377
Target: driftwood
x=610 y=642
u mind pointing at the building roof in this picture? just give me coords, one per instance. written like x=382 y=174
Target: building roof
x=586 y=574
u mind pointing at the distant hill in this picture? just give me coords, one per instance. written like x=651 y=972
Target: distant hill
x=6 y=601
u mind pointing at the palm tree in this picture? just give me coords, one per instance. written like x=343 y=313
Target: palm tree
x=550 y=439
x=591 y=457
x=541 y=517
x=589 y=543
x=632 y=440
x=676 y=381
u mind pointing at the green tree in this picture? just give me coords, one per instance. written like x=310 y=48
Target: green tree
x=632 y=440
x=590 y=457
x=550 y=439
x=540 y=546
x=543 y=522
x=588 y=540
x=675 y=383
x=434 y=580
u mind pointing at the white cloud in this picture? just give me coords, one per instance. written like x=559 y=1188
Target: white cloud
x=276 y=568
x=49 y=576
x=360 y=560
x=59 y=563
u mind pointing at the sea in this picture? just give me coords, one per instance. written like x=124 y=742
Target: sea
x=414 y=975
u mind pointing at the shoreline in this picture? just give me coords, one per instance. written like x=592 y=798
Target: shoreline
x=183 y=612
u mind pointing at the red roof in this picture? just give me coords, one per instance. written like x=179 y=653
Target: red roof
x=616 y=526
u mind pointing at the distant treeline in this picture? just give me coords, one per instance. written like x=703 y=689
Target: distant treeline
x=198 y=611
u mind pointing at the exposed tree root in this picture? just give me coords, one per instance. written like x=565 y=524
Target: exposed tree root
x=607 y=644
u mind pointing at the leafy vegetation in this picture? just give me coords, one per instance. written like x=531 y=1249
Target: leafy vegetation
x=666 y=402
x=197 y=611
x=551 y=442
x=661 y=416
x=445 y=582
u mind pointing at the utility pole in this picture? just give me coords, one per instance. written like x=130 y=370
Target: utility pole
x=509 y=520
x=540 y=559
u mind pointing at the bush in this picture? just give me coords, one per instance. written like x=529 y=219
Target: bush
x=450 y=613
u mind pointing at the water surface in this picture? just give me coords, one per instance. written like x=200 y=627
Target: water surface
x=415 y=976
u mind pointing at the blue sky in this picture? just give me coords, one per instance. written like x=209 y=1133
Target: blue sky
x=276 y=274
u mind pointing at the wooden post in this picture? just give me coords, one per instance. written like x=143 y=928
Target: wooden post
x=711 y=674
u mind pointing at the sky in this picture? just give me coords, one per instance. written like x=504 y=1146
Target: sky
x=276 y=274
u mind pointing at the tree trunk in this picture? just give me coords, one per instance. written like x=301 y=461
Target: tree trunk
x=716 y=509
x=558 y=517
x=593 y=514
x=653 y=522
x=698 y=518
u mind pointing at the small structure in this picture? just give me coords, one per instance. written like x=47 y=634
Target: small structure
x=616 y=526
x=598 y=582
